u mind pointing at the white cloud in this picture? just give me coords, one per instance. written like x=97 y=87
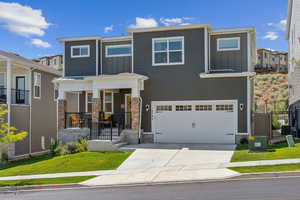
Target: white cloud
x=280 y=25
x=175 y=21
x=271 y=35
x=23 y=20
x=40 y=43
x=144 y=23
x=108 y=29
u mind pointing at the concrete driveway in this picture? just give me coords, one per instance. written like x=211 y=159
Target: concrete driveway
x=184 y=156
x=157 y=163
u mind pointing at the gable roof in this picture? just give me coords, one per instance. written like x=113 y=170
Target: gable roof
x=28 y=63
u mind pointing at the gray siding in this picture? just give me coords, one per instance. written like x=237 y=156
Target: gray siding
x=85 y=66
x=44 y=114
x=115 y=65
x=234 y=60
x=182 y=82
x=20 y=118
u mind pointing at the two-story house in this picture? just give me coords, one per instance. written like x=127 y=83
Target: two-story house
x=55 y=61
x=293 y=37
x=271 y=61
x=26 y=88
x=179 y=84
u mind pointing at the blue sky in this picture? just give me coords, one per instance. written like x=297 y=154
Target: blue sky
x=30 y=27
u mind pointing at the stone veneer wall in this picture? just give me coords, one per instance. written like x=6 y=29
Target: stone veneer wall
x=96 y=109
x=61 y=109
x=135 y=113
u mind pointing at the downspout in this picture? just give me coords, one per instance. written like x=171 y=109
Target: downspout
x=140 y=118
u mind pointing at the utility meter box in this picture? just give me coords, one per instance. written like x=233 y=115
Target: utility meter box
x=257 y=143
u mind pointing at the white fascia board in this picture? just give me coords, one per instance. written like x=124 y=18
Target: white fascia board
x=69 y=39
x=288 y=21
x=227 y=75
x=231 y=31
x=168 y=28
x=117 y=39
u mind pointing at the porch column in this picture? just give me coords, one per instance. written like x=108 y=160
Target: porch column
x=61 y=110
x=96 y=106
x=8 y=88
x=135 y=113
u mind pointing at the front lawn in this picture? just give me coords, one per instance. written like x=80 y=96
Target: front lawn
x=267 y=168
x=274 y=152
x=45 y=181
x=79 y=162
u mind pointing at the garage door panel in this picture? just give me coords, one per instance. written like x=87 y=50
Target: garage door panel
x=195 y=126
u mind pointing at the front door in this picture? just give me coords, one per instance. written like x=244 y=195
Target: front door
x=20 y=89
x=127 y=110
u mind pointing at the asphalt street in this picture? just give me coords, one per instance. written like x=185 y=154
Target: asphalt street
x=266 y=189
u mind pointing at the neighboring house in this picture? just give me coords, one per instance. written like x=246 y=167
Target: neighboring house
x=293 y=37
x=27 y=89
x=191 y=83
x=271 y=61
x=55 y=61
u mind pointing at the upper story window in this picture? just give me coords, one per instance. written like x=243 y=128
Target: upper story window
x=80 y=51
x=37 y=85
x=228 y=44
x=168 y=51
x=118 y=50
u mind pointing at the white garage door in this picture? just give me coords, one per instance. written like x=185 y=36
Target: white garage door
x=194 y=121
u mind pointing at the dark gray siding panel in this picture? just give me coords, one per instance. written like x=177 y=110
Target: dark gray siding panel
x=182 y=82
x=20 y=118
x=82 y=106
x=44 y=114
x=115 y=65
x=80 y=66
x=235 y=60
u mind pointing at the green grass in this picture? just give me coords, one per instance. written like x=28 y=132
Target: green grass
x=276 y=151
x=267 y=168
x=45 y=181
x=86 y=161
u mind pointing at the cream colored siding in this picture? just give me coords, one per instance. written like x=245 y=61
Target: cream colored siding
x=294 y=53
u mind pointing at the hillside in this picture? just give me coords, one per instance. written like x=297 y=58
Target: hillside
x=274 y=89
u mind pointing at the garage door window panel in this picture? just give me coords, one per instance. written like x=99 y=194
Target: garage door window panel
x=224 y=107
x=183 y=107
x=162 y=108
x=203 y=107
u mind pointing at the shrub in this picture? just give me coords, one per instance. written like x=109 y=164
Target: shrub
x=4 y=157
x=244 y=140
x=71 y=147
x=53 y=147
x=82 y=145
x=62 y=150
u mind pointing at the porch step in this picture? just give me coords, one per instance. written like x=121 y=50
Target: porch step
x=119 y=145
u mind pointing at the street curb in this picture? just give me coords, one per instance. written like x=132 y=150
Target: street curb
x=256 y=176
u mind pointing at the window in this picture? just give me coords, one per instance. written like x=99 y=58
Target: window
x=168 y=51
x=80 y=51
x=118 y=50
x=37 y=85
x=203 y=107
x=163 y=108
x=225 y=107
x=55 y=93
x=2 y=80
x=183 y=107
x=108 y=102
x=228 y=44
x=89 y=102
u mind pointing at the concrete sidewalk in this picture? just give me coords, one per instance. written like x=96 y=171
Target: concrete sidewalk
x=261 y=162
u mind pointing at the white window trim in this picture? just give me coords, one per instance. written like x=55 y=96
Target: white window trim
x=34 y=95
x=86 y=100
x=117 y=46
x=230 y=49
x=112 y=101
x=168 y=63
x=80 y=46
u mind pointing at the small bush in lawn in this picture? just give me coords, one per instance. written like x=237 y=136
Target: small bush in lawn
x=62 y=150
x=244 y=140
x=81 y=145
x=4 y=157
x=53 y=147
x=72 y=147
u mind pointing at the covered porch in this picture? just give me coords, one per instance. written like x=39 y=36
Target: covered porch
x=104 y=105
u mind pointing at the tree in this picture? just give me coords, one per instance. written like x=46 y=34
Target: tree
x=9 y=134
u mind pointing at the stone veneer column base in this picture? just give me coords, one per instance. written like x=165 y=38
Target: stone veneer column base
x=135 y=113
x=61 y=113
x=96 y=108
